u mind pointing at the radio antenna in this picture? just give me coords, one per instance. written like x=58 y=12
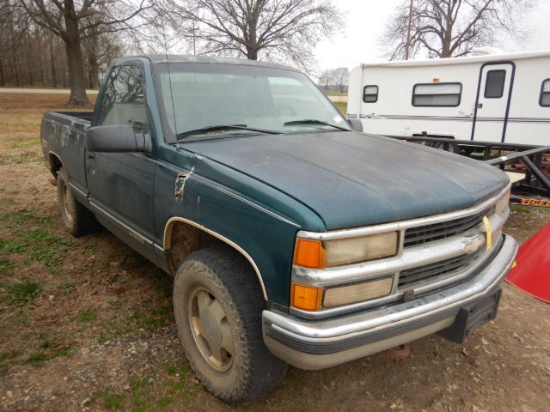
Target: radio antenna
x=170 y=83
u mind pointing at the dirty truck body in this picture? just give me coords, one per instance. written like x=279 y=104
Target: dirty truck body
x=292 y=238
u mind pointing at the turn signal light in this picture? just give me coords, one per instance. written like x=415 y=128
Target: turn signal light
x=306 y=297
x=309 y=254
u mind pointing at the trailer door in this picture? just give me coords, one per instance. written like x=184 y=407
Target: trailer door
x=493 y=102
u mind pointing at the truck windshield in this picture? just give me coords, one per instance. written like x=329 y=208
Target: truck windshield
x=196 y=96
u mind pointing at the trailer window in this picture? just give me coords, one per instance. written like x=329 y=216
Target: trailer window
x=370 y=94
x=494 y=84
x=545 y=93
x=437 y=94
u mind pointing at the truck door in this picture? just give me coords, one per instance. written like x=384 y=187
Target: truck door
x=493 y=102
x=121 y=184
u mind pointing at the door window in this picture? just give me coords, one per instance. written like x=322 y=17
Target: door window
x=494 y=84
x=123 y=100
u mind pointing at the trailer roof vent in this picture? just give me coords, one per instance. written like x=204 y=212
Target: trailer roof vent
x=485 y=51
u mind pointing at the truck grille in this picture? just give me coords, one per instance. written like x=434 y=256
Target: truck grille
x=429 y=233
x=411 y=277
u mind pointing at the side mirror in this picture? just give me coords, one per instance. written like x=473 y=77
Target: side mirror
x=117 y=139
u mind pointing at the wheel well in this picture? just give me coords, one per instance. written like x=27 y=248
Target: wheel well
x=55 y=164
x=182 y=238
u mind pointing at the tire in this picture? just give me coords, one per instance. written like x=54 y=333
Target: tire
x=218 y=310
x=446 y=146
x=77 y=219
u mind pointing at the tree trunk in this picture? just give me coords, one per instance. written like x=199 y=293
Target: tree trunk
x=76 y=76
x=74 y=58
x=52 y=63
x=251 y=53
x=94 y=73
x=2 y=79
x=16 y=72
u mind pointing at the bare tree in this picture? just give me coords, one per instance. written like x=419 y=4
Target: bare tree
x=334 y=80
x=340 y=78
x=324 y=80
x=447 y=28
x=12 y=26
x=73 y=22
x=270 y=29
x=98 y=49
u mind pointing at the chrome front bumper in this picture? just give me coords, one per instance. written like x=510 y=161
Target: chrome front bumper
x=324 y=343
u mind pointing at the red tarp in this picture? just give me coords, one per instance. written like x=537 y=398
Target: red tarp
x=532 y=270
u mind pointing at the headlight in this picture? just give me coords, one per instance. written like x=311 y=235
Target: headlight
x=346 y=295
x=353 y=250
x=314 y=298
x=335 y=252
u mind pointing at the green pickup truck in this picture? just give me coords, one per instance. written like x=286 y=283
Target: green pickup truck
x=292 y=238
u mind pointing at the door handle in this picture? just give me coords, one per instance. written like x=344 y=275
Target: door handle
x=480 y=105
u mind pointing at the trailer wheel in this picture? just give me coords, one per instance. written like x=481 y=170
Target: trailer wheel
x=218 y=306
x=77 y=219
x=446 y=146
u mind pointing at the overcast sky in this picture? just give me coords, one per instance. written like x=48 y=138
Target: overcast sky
x=365 y=21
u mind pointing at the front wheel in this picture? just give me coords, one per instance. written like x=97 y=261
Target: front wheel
x=218 y=307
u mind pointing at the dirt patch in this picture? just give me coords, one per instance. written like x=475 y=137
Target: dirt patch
x=86 y=324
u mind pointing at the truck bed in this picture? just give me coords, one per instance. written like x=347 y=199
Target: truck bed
x=64 y=133
x=82 y=115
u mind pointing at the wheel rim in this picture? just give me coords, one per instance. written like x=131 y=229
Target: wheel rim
x=210 y=329
x=66 y=206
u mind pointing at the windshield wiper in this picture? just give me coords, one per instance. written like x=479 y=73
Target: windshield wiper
x=221 y=128
x=314 y=121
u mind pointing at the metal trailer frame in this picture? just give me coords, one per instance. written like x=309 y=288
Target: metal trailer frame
x=525 y=164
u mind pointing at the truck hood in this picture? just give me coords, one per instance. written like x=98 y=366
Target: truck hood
x=350 y=179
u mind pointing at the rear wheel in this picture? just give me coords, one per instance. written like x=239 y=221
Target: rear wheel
x=77 y=219
x=218 y=306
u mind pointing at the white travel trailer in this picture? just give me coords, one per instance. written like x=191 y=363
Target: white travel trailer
x=492 y=98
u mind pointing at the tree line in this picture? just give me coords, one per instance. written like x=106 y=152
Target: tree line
x=33 y=56
x=334 y=80
x=68 y=43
